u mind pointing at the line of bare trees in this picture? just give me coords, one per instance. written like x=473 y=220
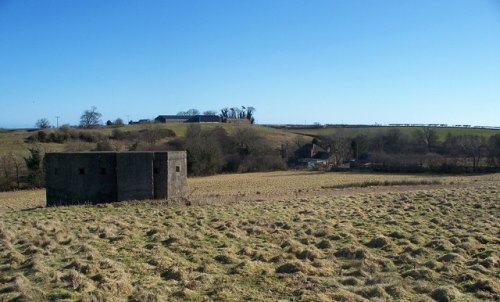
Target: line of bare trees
x=422 y=149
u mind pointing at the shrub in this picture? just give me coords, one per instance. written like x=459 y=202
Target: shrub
x=204 y=154
x=104 y=145
x=34 y=163
x=153 y=134
x=59 y=136
x=89 y=136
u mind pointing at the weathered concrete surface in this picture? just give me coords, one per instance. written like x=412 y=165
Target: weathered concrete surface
x=76 y=178
x=160 y=173
x=177 y=174
x=170 y=174
x=134 y=175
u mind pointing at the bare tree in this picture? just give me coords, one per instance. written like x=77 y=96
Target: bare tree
x=43 y=123
x=428 y=138
x=466 y=147
x=90 y=118
x=242 y=114
x=340 y=147
x=394 y=141
x=224 y=114
x=494 y=150
x=250 y=114
x=360 y=146
x=234 y=112
x=11 y=166
x=210 y=112
x=474 y=147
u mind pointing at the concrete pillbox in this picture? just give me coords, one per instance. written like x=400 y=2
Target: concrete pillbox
x=96 y=177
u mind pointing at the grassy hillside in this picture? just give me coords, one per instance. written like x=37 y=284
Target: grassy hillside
x=441 y=131
x=14 y=140
x=304 y=244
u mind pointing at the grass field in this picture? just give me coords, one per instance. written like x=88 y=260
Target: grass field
x=441 y=131
x=281 y=236
x=268 y=185
x=14 y=142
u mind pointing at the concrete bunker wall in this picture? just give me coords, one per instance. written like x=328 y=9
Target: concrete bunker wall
x=177 y=173
x=160 y=175
x=134 y=175
x=76 y=178
x=170 y=174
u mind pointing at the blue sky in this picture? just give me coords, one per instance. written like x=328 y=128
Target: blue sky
x=334 y=61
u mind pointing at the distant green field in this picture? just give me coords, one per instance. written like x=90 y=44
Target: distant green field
x=442 y=131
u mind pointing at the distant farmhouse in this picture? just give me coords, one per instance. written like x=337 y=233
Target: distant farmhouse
x=312 y=155
x=98 y=177
x=188 y=119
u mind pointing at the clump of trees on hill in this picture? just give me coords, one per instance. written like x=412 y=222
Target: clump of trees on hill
x=226 y=113
x=236 y=113
x=213 y=150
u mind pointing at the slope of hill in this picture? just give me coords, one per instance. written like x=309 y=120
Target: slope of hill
x=353 y=131
x=15 y=140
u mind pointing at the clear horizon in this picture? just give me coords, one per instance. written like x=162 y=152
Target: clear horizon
x=296 y=62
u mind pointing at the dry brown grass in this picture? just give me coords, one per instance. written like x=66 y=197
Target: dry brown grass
x=229 y=188
x=418 y=244
x=21 y=200
x=13 y=141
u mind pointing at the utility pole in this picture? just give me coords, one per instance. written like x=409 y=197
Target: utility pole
x=128 y=119
x=57 y=121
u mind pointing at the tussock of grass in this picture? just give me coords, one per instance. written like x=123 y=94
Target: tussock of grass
x=385 y=183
